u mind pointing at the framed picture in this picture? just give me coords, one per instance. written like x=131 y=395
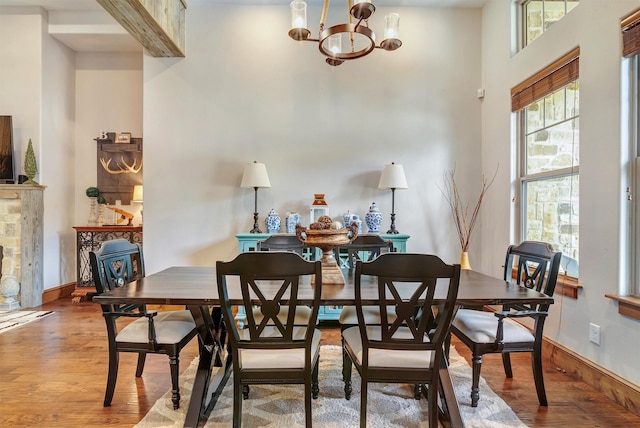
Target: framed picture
x=124 y=138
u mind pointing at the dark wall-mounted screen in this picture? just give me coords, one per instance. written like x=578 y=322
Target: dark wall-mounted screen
x=6 y=150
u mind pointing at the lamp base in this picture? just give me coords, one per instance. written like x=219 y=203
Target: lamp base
x=393 y=230
x=256 y=227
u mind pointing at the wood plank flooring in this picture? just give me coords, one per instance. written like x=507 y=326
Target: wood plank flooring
x=53 y=374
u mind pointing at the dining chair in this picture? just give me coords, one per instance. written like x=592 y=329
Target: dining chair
x=408 y=349
x=369 y=246
x=270 y=350
x=364 y=247
x=115 y=264
x=530 y=264
x=282 y=243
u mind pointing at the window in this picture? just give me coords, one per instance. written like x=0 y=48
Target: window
x=631 y=51
x=538 y=15
x=633 y=193
x=547 y=106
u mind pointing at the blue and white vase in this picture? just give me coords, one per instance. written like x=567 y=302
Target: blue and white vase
x=273 y=222
x=291 y=220
x=356 y=219
x=347 y=219
x=373 y=219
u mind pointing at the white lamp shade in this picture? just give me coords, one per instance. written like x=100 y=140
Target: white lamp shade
x=392 y=177
x=137 y=193
x=255 y=175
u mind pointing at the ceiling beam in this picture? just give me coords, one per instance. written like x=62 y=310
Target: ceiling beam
x=157 y=24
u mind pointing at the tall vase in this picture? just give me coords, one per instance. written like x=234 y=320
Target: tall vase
x=464 y=261
x=272 y=222
x=373 y=219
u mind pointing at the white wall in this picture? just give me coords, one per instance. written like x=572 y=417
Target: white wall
x=56 y=159
x=594 y=25
x=241 y=96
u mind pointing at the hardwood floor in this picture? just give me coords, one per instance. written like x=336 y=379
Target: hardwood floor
x=53 y=374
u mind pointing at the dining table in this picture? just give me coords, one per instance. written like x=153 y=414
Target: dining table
x=196 y=288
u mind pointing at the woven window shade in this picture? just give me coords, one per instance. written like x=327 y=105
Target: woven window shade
x=548 y=80
x=631 y=34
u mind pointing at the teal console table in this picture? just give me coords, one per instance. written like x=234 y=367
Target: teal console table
x=249 y=242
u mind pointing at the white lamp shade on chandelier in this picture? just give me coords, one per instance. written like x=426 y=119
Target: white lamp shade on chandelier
x=393 y=177
x=255 y=175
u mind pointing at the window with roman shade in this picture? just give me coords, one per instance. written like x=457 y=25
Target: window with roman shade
x=547 y=108
x=630 y=27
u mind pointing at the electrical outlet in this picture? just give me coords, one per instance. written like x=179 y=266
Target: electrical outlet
x=594 y=333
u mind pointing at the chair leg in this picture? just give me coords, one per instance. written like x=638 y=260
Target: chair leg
x=506 y=362
x=245 y=392
x=142 y=357
x=417 y=391
x=237 y=402
x=315 y=385
x=475 y=382
x=363 y=402
x=174 y=365
x=307 y=402
x=536 y=361
x=432 y=397
x=346 y=374
x=111 y=377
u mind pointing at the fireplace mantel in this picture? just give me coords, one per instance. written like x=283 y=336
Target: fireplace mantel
x=21 y=235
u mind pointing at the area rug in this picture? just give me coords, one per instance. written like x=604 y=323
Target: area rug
x=13 y=319
x=390 y=405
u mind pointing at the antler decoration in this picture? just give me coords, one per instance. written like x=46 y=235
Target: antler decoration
x=128 y=169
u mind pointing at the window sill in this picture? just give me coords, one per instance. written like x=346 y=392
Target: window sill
x=627 y=305
x=568 y=286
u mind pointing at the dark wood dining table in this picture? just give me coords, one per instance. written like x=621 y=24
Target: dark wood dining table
x=196 y=288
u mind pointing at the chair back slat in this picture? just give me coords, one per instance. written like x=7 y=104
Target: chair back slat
x=281 y=243
x=269 y=281
x=370 y=245
x=115 y=264
x=536 y=267
x=407 y=283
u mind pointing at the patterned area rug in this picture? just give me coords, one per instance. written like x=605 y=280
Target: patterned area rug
x=12 y=319
x=389 y=405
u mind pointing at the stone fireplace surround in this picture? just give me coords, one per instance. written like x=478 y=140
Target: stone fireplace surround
x=21 y=235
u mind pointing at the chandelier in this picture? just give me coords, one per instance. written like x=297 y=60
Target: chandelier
x=358 y=37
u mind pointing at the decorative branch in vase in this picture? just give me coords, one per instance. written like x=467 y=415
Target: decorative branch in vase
x=464 y=221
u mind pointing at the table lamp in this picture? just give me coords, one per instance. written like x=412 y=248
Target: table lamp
x=255 y=175
x=393 y=178
x=137 y=197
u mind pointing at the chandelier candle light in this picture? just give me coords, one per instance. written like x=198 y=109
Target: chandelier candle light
x=393 y=178
x=359 y=36
x=255 y=175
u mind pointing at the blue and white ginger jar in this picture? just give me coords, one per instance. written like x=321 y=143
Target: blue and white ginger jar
x=291 y=220
x=373 y=219
x=273 y=222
